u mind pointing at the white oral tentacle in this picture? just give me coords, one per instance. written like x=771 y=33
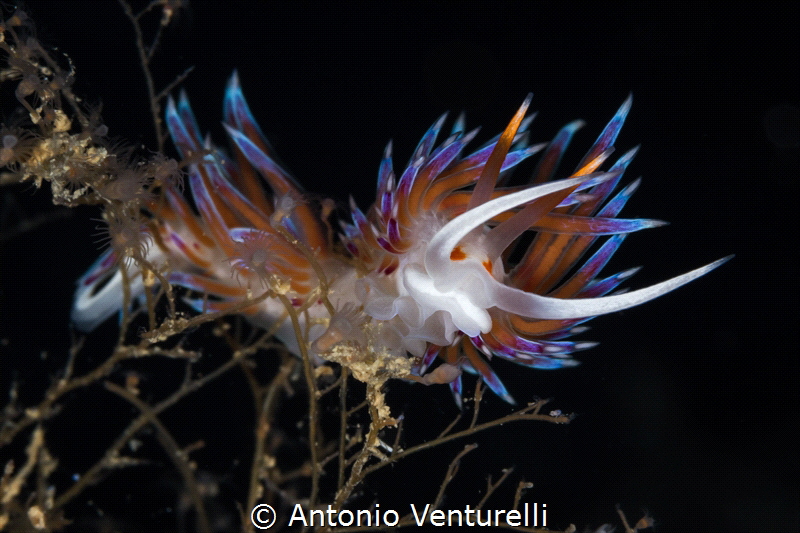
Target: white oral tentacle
x=437 y=254
x=536 y=306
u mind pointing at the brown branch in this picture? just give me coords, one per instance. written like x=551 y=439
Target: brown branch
x=313 y=415
x=91 y=475
x=624 y=520
x=46 y=408
x=343 y=415
x=174 y=83
x=521 y=486
x=358 y=472
x=144 y=59
x=491 y=487
x=529 y=412
x=174 y=452
x=145 y=56
x=263 y=425
x=450 y=426
x=452 y=470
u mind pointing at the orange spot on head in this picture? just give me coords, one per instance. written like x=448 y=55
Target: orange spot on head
x=457 y=254
x=488 y=266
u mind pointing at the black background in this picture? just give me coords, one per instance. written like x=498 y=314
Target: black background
x=686 y=406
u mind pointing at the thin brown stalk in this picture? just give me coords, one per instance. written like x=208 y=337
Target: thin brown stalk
x=174 y=452
x=264 y=423
x=529 y=412
x=311 y=383
x=491 y=487
x=91 y=475
x=452 y=470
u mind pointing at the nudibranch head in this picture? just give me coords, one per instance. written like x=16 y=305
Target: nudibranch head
x=424 y=270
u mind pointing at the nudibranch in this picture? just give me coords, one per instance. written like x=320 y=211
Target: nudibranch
x=425 y=272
